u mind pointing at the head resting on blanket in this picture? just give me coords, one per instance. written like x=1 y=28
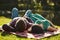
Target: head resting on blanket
x=21 y=24
x=37 y=29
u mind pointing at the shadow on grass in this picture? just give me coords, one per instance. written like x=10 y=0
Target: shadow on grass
x=5 y=33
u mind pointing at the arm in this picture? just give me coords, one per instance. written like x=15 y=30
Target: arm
x=29 y=20
x=51 y=23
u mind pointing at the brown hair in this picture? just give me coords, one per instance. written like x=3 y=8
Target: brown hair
x=20 y=25
x=37 y=30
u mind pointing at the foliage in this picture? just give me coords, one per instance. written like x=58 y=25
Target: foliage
x=39 y=6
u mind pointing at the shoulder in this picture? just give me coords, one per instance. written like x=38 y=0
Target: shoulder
x=16 y=18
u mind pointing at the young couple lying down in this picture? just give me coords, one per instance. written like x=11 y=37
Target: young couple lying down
x=33 y=23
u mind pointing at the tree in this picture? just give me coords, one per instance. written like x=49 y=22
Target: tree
x=7 y=4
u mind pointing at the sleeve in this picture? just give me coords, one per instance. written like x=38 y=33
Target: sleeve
x=12 y=23
x=29 y=20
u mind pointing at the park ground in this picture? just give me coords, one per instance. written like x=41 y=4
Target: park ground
x=6 y=36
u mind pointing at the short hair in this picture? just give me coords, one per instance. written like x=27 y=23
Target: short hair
x=20 y=25
x=37 y=29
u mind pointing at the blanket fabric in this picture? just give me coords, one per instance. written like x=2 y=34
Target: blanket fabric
x=36 y=36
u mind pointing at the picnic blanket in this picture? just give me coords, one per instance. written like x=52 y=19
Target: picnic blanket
x=35 y=36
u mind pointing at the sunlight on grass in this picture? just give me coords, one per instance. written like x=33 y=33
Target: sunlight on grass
x=4 y=20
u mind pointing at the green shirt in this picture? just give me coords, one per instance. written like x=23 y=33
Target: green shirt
x=38 y=19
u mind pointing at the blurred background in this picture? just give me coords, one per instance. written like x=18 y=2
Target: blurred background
x=50 y=9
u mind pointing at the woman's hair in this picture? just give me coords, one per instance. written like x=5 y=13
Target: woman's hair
x=37 y=30
x=20 y=25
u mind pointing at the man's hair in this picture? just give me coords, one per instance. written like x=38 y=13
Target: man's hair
x=20 y=25
x=37 y=30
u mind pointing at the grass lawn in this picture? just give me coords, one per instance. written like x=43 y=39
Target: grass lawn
x=5 y=36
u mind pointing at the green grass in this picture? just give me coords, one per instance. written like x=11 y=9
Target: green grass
x=4 y=20
x=5 y=36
